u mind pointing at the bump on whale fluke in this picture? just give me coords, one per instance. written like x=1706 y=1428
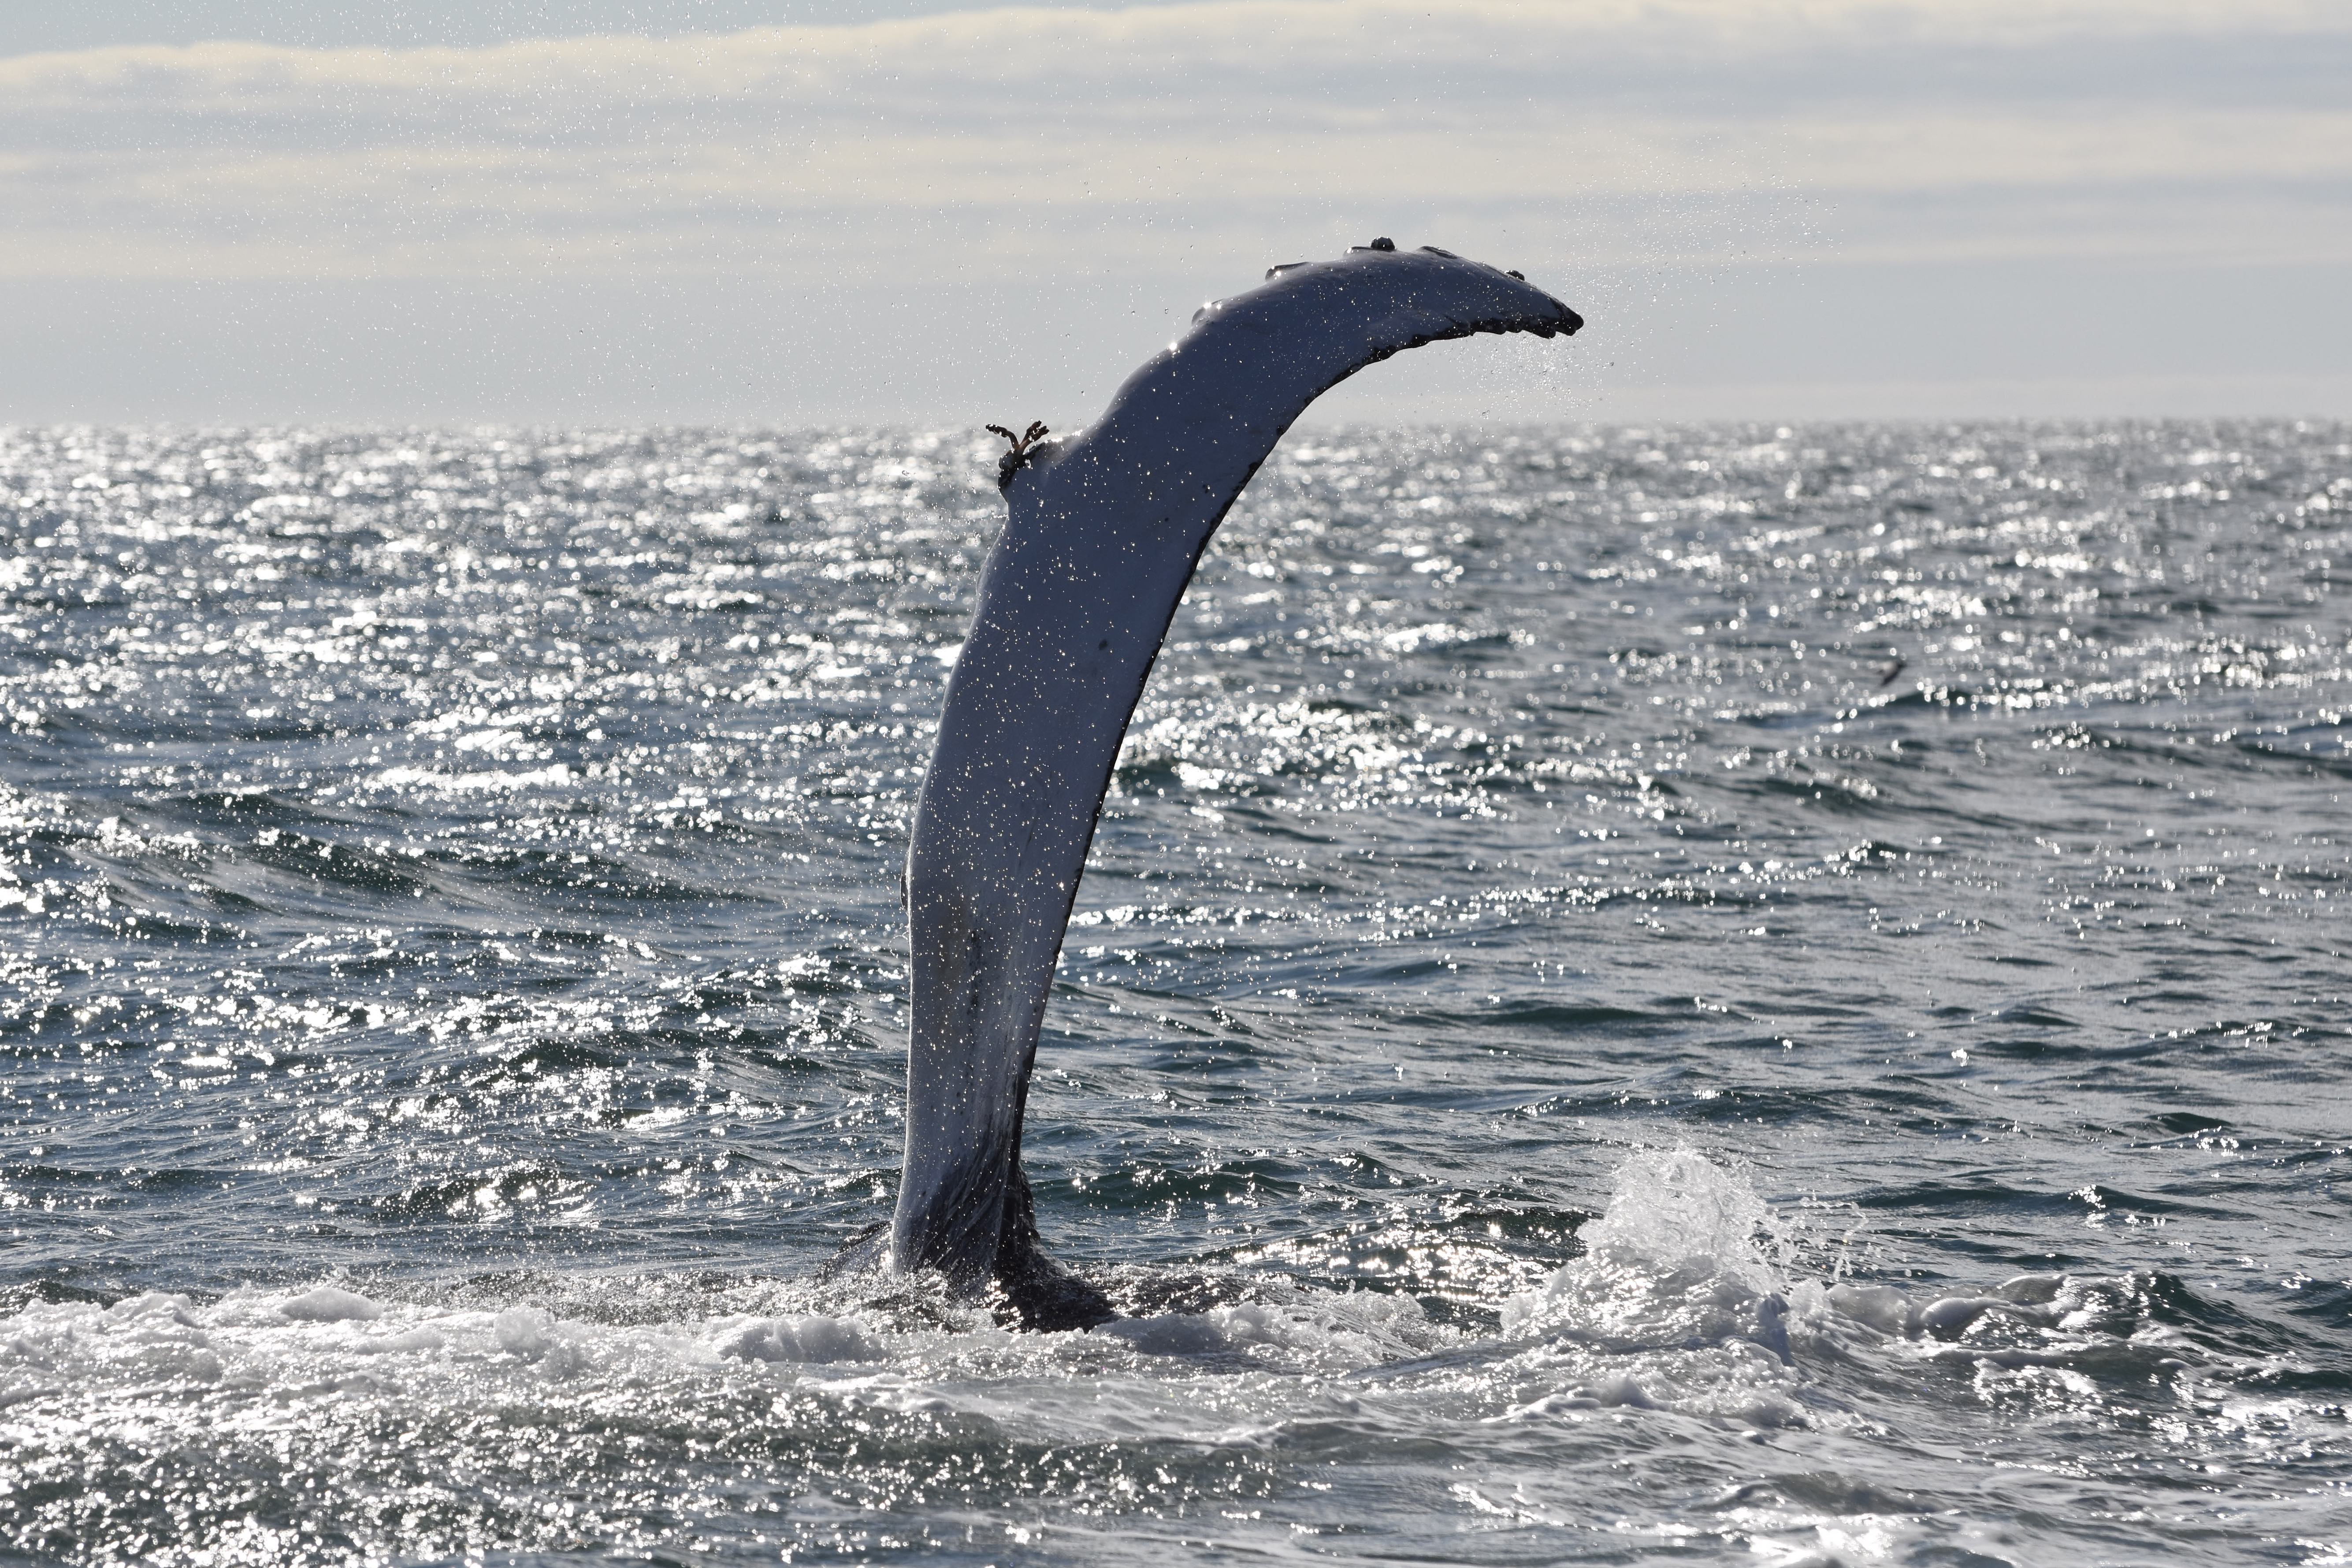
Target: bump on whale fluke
x=1103 y=532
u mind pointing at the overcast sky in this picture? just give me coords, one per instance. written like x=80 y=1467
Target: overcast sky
x=859 y=210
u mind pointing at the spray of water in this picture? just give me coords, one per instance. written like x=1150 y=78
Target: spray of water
x=1686 y=1248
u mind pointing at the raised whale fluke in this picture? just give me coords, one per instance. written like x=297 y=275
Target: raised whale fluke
x=1103 y=534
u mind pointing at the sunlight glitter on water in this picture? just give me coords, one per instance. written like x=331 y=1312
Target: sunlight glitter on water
x=230 y=1413
x=1890 y=877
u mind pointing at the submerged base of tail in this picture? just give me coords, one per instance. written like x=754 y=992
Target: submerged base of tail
x=1033 y=1290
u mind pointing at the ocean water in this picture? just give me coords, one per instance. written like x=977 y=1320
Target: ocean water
x=1716 y=994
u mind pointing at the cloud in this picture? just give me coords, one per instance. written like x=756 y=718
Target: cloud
x=993 y=145
x=996 y=214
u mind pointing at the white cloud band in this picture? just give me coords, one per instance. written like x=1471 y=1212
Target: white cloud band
x=989 y=143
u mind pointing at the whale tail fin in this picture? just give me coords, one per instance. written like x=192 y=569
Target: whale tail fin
x=1102 y=531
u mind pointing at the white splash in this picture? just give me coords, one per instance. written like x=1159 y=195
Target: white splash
x=1679 y=1303
x=1681 y=1252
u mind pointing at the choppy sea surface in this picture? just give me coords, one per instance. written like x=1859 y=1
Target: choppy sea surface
x=1712 y=995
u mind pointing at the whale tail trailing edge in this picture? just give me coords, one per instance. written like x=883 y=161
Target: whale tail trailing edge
x=1102 y=536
